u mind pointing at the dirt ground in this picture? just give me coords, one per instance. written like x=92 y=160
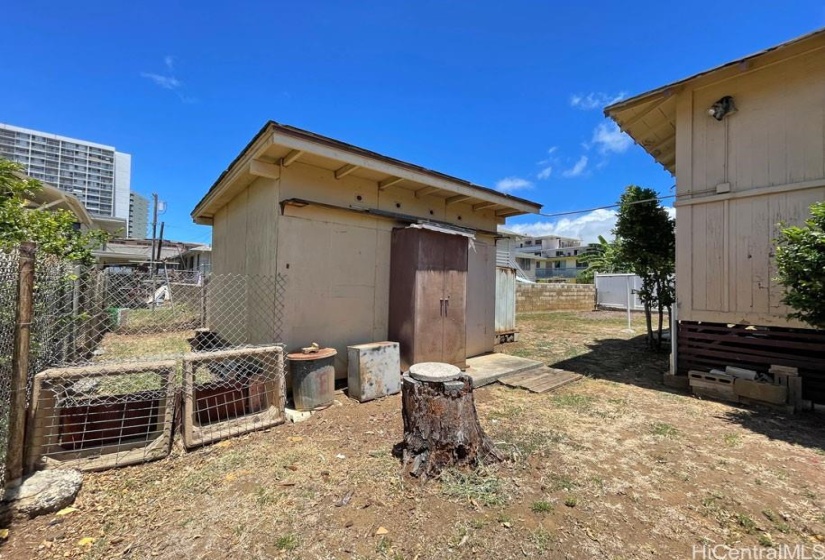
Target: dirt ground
x=614 y=466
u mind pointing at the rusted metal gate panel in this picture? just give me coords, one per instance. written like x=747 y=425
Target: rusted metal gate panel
x=703 y=346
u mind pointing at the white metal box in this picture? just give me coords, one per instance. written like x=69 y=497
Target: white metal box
x=374 y=370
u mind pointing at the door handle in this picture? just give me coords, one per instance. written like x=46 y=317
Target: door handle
x=441 y=312
x=447 y=307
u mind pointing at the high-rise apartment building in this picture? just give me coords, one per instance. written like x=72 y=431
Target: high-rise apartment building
x=99 y=176
x=138 y=216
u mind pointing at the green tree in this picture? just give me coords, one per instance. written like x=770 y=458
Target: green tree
x=53 y=231
x=800 y=259
x=648 y=246
x=602 y=258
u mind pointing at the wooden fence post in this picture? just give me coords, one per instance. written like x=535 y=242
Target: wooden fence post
x=20 y=364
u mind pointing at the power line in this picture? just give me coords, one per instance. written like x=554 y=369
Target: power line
x=559 y=214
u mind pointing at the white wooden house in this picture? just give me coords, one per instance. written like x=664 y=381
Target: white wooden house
x=746 y=143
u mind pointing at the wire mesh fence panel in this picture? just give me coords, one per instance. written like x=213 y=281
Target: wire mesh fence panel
x=98 y=417
x=231 y=392
x=88 y=316
x=244 y=309
x=8 y=307
x=98 y=396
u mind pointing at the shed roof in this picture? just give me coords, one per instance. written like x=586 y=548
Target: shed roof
x=278 y=145
x=650 y=118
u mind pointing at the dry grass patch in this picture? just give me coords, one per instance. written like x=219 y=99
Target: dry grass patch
x=614 y=466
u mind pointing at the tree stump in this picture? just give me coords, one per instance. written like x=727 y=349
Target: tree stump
x=441 y=426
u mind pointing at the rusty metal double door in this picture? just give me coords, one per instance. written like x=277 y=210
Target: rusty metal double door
x=440 y=295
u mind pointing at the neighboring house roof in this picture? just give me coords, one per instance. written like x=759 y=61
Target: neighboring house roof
x=277 y=144
x=49 y=197
x=650 y=118
x=198 y=249
x=52 y=198
x=504 y=232
x=132 y=251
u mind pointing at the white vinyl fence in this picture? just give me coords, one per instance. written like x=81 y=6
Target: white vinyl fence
x=613 y=291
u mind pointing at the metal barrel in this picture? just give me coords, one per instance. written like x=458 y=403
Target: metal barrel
x=313 y=378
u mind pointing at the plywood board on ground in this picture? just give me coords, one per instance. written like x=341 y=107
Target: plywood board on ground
x=540 y=380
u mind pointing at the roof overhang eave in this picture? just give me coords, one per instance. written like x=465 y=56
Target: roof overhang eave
x=297 y=141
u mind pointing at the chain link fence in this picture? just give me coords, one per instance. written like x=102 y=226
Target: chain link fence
x=8 y=306
x=119 y=356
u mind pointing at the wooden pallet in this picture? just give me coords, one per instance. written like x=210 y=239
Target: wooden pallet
x=540 y=380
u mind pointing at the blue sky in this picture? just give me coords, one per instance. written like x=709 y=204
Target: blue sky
x=505 y=94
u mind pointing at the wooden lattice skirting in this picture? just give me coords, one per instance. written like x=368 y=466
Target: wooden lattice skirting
x=703 y=346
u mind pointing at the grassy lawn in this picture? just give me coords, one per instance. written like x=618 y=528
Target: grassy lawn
x=160 y=319
x=116 y=346
x=614 y=466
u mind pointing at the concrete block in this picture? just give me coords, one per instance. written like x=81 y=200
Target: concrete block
x=712 y=385
x=765 y=392
x=373 y=370
x=296 y=416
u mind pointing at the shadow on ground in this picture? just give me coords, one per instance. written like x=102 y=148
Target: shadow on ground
x=805 y=429
x=630 y=361
x=621 y=360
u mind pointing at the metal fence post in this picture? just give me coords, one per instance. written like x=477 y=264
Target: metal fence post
x=628 y=279
x=203 y=302
x=20 y=364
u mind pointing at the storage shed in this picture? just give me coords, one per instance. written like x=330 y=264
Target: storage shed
x=746 y=142
x=321 y=213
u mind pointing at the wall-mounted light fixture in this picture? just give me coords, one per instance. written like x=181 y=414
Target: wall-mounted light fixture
x=722 y=108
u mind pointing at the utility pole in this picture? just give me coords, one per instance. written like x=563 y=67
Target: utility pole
x=154 y=230
x=152 y=251
x=160 y=245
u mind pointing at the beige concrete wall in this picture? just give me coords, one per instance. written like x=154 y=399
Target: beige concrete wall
x=336 y=262
x=771 y=153
x=555 y=297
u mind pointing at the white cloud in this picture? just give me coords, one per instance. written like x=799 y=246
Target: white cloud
x=577 y=169
x=545 y=173
x=609 y=138
x=594 y=100
x=166 y=82
x=587 y=227
x=510 y=184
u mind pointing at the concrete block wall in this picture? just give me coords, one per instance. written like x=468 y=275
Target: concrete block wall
x=555 y=297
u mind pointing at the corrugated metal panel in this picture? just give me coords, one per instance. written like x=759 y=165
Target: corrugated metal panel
x=505 y=300
x=503 y=251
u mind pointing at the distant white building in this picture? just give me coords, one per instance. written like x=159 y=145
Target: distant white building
x=97 y=175
x=138 y=216
x=551 y=256
x=197 y=258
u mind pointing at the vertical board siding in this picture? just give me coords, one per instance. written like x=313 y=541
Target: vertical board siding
x=725 y=267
